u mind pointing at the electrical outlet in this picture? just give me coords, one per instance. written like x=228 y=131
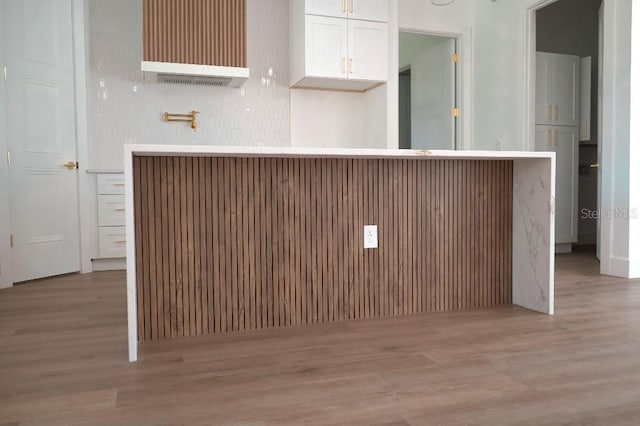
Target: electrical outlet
x=371 y=236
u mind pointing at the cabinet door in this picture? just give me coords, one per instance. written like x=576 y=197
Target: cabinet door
x=565 y=72
x=543 y=103
x=367 y=50
x=566 y=143
x=585 y=99
x=336 y=8
x=544 y=138
x=326 y=47
x=369 y=10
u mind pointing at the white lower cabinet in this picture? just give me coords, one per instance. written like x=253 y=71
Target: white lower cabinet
x=564 y=141
x=111 y=216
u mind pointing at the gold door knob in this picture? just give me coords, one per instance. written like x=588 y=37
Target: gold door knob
x=595 y=166
x=70 y=165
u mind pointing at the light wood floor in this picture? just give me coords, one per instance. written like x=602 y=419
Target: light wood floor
x=63 y=361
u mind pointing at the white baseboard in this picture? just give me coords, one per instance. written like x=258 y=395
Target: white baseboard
x=119 y=264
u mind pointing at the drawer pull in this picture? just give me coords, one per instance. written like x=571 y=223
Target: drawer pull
x=121 y=241
x=118 y=184
x=119 y=209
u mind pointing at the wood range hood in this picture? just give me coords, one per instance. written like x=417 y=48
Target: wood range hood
x=200 y=42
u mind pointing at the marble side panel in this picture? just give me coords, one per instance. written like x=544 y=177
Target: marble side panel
x=534 y=233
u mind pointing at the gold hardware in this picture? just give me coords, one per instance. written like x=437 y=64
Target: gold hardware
x=119 y=209
x=549 y=112
x=118 y=184
x=344 y=6
x=595 y=166
x=4 y=72
x=11 y=240
x=350 y=65
x=455 y=112
x=456 y=58
x=8 y=158
x=121 y=241
x=183 y=117
x=71 y=165
x=351 y=7
x=555 y=113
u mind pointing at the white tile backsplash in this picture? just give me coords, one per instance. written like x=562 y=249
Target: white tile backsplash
x=127 y=109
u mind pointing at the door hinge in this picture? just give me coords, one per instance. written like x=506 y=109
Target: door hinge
x=8 y=158
x=11 y=240
x=456 y=58
x=455 y=112
x=4 y=72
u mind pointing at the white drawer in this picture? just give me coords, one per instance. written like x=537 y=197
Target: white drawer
x=113 y=241
x=111 y=184
x=111 y=210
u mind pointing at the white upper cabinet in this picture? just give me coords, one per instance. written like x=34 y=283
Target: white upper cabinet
x=367 y=61
x=326 y=42
x=335 y=8
x=328 y=51
x=557 y=89
x=367 y=10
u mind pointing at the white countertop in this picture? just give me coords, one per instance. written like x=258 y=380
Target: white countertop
x=226 y=151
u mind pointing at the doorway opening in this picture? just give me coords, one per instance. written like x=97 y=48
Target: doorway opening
x=566 y=36
x=428 y=91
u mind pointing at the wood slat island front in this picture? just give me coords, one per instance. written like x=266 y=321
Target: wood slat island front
x=228 y=243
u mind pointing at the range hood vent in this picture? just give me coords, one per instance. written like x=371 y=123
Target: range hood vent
x=195 y=80
x=200 y=75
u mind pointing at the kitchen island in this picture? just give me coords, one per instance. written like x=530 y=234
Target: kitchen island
x=224 y=240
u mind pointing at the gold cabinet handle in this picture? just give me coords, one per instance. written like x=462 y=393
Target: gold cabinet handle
x=70 y=165
x=121 y=241
x=350 y=65
x=549 y=112
x=119 y=209
x=351 y=7
x=344 y=6
x=555 y=113
x=595 y=166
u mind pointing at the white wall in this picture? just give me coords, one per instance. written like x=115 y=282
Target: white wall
x=130 y=109
x=5 y=250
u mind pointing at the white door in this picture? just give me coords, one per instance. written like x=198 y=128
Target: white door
x=433 y=97
x=369 y=10
x=600 y=103
x=326 y=46
x=337 y=8
x=43 y=196
x=565 y=88
x=367 y=61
